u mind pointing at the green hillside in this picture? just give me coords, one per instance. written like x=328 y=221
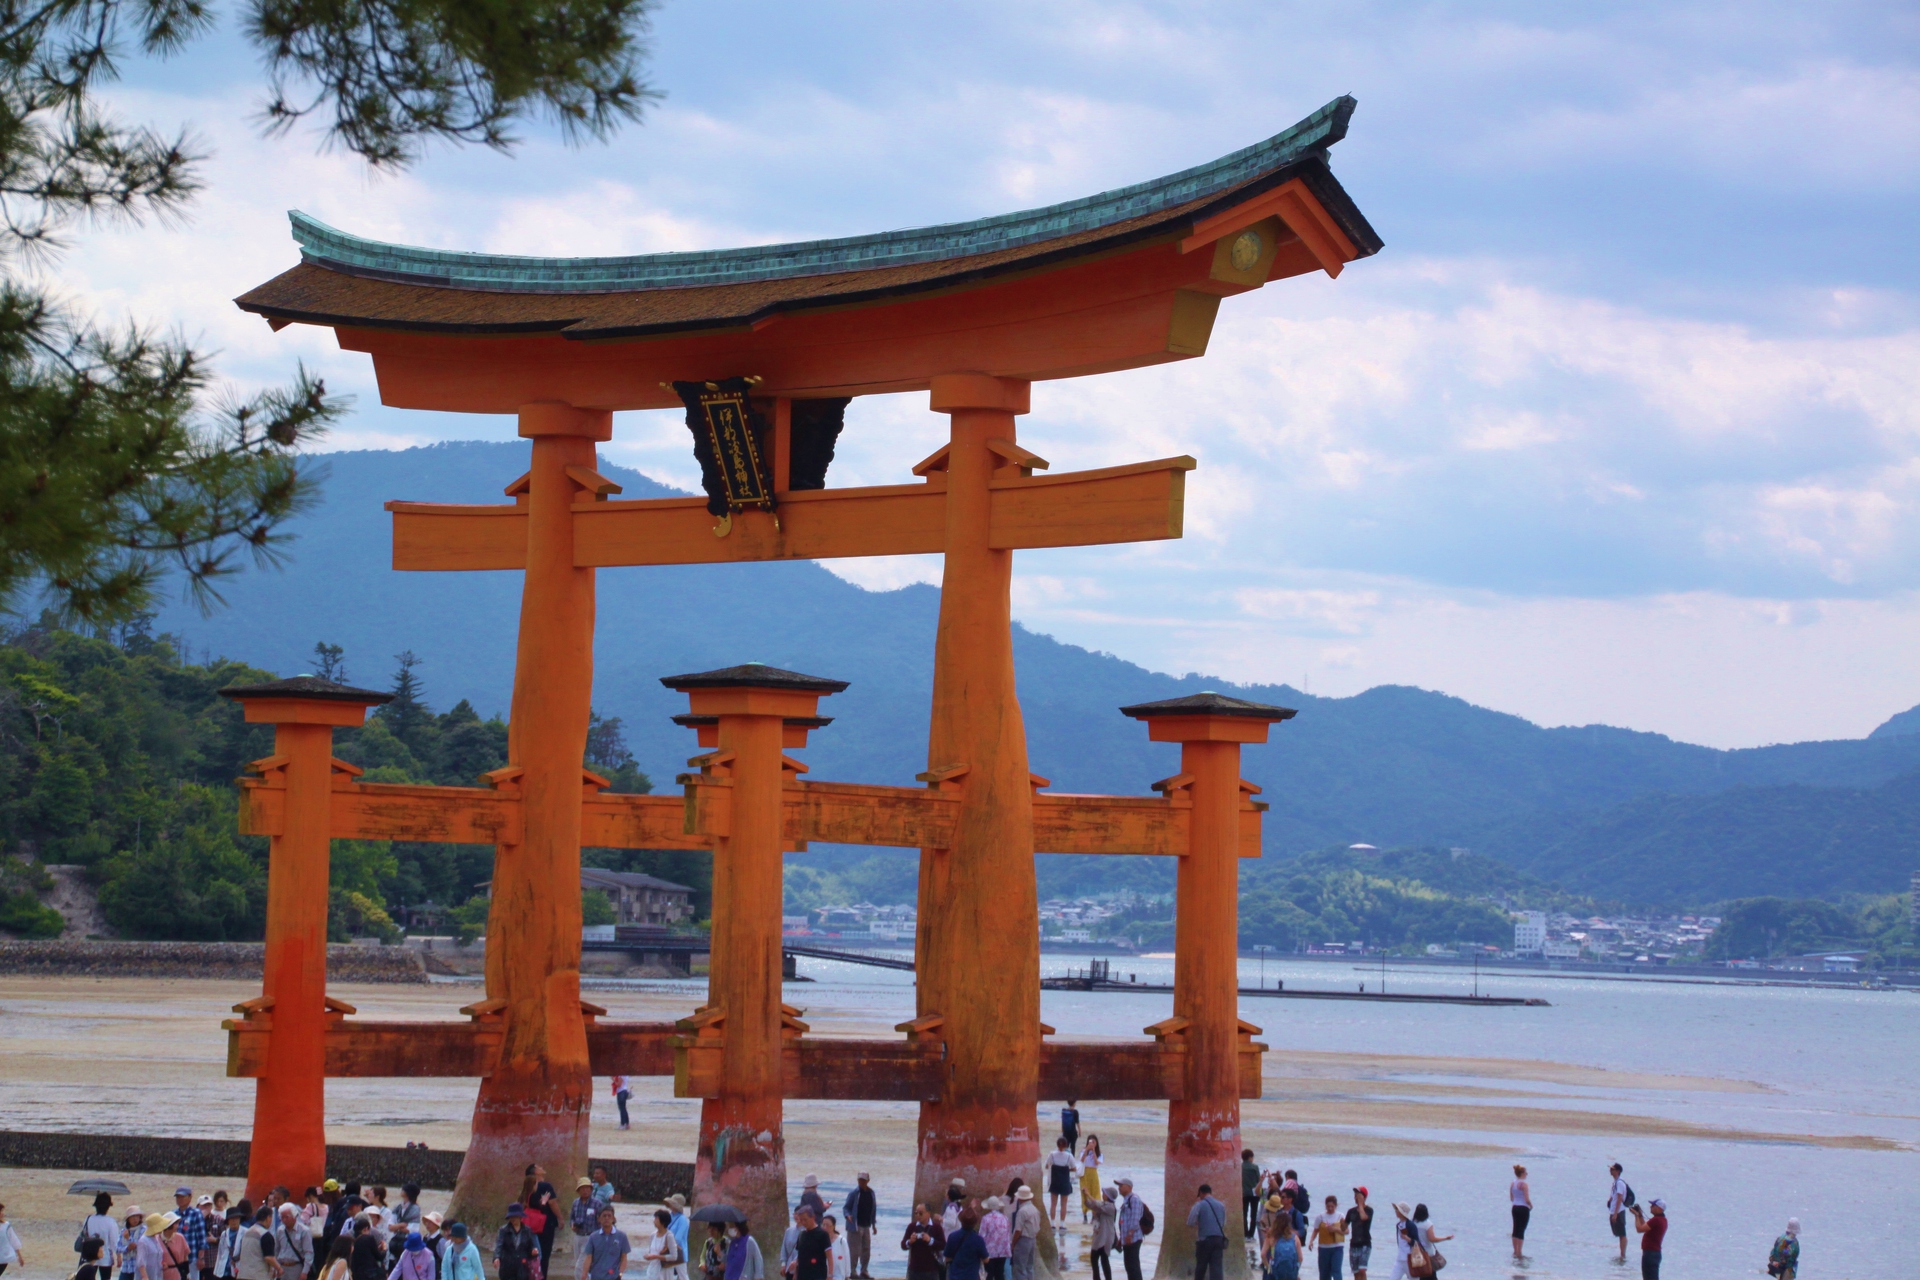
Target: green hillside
x=1789 y=841
x=1391 y=766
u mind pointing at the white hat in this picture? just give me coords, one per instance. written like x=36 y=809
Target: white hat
x=811 y=1180
x=375 y=1211
x=862 y=1176
x=959 y=1183
x=994 y=1204
x=203 y=1200
x=1793 y=1226
x=1123 y=1181
x=1024 y=1193
x=1657 y=1203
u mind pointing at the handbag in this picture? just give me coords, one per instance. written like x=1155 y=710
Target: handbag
x=1419 y=1261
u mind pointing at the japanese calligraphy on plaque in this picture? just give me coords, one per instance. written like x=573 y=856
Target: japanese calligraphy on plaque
x=730 y=441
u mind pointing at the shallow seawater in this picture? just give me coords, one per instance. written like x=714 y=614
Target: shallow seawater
x=1791 y=1062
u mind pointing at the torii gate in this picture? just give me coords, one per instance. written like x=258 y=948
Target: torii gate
x=973 y=313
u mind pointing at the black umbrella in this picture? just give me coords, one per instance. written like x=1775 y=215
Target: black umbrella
x=718 y=1213
x=91 y=1186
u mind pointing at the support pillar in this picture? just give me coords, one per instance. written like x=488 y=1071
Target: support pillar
x=536 y=1106
x=289 y=1103
x=978 y=944
x=1203 y=1128
x=748 y=714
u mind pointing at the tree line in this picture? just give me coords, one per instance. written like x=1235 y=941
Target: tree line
x=118 y=755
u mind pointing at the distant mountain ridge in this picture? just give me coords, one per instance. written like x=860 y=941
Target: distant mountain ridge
x=1787 y=841
x=1393 y=765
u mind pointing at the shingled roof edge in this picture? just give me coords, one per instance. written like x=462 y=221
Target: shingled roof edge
x=328 y=247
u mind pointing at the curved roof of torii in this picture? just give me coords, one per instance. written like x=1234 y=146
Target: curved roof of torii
x=346 y=282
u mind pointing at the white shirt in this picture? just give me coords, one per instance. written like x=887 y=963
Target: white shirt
x=1617 y=1198
x=839 y=1265
x=1090 y=1160
x=107 y=1228
x=9 y=1243
x=1060 y=1159
x=1519 y=1193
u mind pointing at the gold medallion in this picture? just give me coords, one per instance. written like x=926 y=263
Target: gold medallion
x=1246 y=250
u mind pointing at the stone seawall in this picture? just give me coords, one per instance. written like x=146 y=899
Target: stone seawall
x=637 y=1181
x=227 y=960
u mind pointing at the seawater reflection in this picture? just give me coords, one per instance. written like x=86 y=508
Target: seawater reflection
x=1827 y=1063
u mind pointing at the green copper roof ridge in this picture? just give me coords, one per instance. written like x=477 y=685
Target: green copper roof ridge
x=328 y=246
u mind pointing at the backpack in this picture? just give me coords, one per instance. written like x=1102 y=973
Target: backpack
x=1628 y=1202
x=1146 y=1220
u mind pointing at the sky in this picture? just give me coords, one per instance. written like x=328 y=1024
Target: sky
x=1622 y=426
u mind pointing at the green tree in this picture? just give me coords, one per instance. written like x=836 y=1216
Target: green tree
x=118 y=461
x=330 y=662
x=194 y=883
x=596 y=908
x=1756 y=928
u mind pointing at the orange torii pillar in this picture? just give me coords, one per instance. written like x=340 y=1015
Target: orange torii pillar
x=289 y=1101
x=1203 y=1127
x=536 y=1106
x=749 y=714
x=978 y=945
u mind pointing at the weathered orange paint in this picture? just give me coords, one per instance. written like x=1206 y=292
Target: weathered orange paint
x=1138 y=502
x=535 y=1106
x=741 y=1156
x=1118 y=311
x=289 y=1107
x=1203 y=1127
x=978 y=945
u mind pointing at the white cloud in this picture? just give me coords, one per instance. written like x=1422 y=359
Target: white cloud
x=1488 y=465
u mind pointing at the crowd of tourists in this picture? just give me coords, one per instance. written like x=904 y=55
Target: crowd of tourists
x=332 y=1231
x=347 y=1232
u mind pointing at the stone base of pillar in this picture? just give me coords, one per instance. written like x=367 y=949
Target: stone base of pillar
x=741 y=1160
x=987 y=1167
x=1203 y=1148
x=517 y=1122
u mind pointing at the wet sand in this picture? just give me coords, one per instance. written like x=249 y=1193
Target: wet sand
x=140 y=1056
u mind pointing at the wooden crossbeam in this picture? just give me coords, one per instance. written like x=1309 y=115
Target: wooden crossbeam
x=1137 y=503
x=836 y=812
x=366 y=1049
x=850 y=1070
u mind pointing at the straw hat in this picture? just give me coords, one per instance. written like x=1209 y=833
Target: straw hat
x=1273 y=1202
x=582 y=1182
x=161 y=1223
x=434 y=1218
x=1402 y=1208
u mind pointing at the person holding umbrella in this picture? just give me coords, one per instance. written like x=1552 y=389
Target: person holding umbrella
x=743 y=1260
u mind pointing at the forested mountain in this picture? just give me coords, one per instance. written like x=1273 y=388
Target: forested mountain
x=1792 y=841
x=119 y=756
x=1392 y=765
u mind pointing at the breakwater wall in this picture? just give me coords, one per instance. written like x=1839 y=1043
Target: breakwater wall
x=637 y=1181
x=227 y=960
